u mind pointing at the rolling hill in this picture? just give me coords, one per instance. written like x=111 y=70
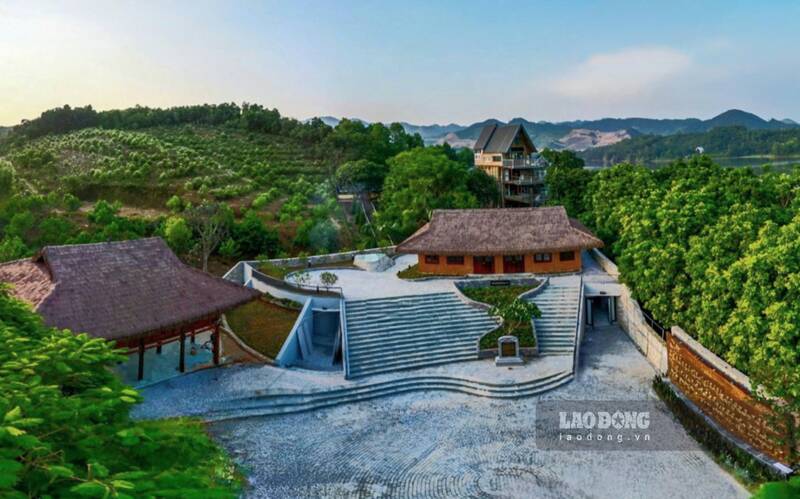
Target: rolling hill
x=606 y=130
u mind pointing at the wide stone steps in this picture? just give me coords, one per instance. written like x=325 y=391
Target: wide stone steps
x=408 y=332
x=556 y=328
x=289 y=403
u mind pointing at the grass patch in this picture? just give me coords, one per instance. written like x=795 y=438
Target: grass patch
x=496 y=295
x=263 y=325
x=744 y=467
x=413 y=272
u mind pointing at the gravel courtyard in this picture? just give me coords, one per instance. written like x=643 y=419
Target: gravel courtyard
x=452 y=445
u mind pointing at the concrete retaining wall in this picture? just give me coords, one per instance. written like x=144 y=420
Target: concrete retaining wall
x=328 y=258
x=631 y=318
x=292 y=350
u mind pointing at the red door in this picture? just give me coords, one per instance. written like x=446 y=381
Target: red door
x=483 y=264
x=513 y=264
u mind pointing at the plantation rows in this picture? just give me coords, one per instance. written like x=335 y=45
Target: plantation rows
x=213 y=162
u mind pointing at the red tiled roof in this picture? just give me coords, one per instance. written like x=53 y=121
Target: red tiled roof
x=121 y=290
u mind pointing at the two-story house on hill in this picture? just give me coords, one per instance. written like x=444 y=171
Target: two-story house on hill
x=507 y=153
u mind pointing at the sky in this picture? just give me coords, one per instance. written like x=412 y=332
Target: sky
x=418 y=61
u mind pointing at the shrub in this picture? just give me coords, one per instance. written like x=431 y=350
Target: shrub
x=328 y=278
x=178 y=235
x=175 y=204
x=71 y=202
x=229 y=248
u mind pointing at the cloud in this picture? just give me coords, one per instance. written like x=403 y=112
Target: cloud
x=620 y=75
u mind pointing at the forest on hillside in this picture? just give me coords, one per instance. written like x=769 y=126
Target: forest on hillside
x=714 y=250
x=220 y=182
x=734 y=141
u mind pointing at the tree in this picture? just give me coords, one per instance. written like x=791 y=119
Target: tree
x=563 y=159
x=323 y=237
x=12 y=248
x=67 y=430
x=484 y=187
x=6 y=177
x=178 y=235
x=360 y=176
x=252 y=237
x=211 y=222
x=420 y=181
x=515 y=313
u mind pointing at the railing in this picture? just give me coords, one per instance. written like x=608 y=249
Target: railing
x=654 y=325
x=523 y=180
x=576 y=353
x=345 y=339
x=293 y=286
x=522 y=163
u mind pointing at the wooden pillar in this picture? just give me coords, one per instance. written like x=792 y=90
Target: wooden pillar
x=216 y=343
x=182 y=361
x=140 y=374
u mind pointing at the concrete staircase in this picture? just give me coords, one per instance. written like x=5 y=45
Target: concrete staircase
x=556 y=328
x=409 y=332
x=288 y=403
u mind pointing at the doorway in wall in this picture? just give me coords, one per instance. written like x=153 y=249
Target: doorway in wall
x=483 y=264
x=601 y=310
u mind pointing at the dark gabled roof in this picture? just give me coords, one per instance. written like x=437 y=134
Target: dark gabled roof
x=484 y=137
x=499 y=231
x=498 y=139
x=120 y=290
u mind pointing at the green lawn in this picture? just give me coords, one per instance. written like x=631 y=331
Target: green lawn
x=495 y=295
x=263 y=325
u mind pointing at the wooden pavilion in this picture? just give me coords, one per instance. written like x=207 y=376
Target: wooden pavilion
x=135 y=293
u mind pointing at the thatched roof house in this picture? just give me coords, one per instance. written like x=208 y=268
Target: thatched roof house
x=136 y=293
x=546 y=235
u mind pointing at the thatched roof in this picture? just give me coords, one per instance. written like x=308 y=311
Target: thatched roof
x=120 y=290
x=498 y=139
x=509 y=231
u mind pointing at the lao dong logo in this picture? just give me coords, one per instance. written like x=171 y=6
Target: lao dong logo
x=603 y=420
x=607 y=425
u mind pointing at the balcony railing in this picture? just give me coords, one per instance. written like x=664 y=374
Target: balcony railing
x=523 y=163
x=524 y=180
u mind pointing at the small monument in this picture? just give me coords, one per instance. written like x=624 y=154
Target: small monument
x=508 y=352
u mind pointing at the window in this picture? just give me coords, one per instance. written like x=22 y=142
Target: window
x=497 y=159
x=543 y=257
x=455 y=260
x=566 y=256
x=432 y=259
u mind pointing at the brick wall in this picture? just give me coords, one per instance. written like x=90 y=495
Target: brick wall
x=723 y=394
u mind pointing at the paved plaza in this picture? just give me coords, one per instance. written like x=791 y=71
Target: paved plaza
x=435 y=444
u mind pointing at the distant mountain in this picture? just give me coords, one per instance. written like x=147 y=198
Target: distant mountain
x=582 y=139
x=580 y=134
x=722 y=141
